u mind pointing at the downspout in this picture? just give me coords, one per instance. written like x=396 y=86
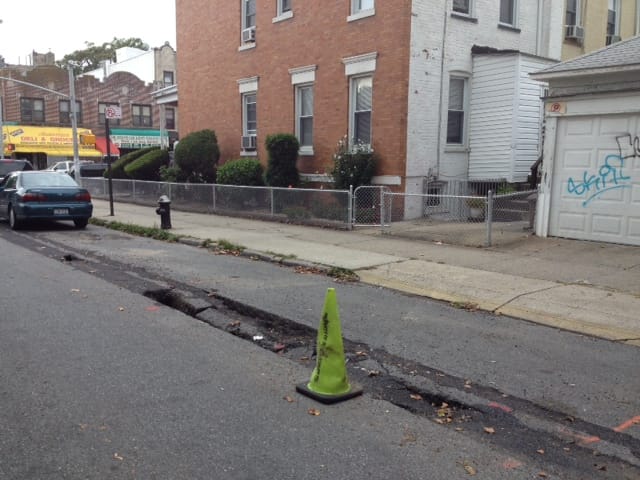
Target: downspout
x=444 y=36
x=539 y=35
x=637 y=17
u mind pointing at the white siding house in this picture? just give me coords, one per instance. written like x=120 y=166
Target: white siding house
x=505 y=116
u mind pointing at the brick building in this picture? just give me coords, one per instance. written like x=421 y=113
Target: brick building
x=143 y=122
x=395 y=74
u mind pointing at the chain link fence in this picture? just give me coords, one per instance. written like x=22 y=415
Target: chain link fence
x=318 y=207
x=470 y=220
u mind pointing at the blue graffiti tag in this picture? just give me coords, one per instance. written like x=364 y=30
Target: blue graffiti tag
x=610 y=176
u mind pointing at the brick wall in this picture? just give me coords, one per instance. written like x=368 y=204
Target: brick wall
x=209 y=65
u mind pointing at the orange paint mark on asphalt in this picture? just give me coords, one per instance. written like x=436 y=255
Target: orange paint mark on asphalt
x=511 y=464
x=629 y=423
x=152 y=308
x=500 y=406
x=581 y=439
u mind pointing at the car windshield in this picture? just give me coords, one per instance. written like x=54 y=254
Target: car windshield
x=46 y=179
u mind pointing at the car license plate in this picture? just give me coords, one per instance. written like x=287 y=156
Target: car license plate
x=61 y=211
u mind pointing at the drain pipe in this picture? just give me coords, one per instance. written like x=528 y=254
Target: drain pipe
x=444 y=42
x=637 y=17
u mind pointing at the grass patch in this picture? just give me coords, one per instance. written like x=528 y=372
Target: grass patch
x=290 y=256
x=343 y=274
x=225 y=246
x=469 y=306
x=149 y=232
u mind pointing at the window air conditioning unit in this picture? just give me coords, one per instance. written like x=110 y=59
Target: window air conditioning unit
x=611 y=39
x=575 y=32
x=249 y=35
x=248 y=142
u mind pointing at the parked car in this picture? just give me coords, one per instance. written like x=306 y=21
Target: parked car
x=65 y=167
x=43 y=195
x=12 y=165
x=90 y=170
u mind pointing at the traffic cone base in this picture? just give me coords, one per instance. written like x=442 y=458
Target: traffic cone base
x=329 y=382
x=304 y=389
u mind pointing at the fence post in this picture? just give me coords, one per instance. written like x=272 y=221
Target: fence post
x=489 y=216
x=272 y=205
x=133 y=190
x=382 y=210
x=214 y=196
x=350 y=207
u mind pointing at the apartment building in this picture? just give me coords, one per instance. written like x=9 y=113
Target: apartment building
x=398 y=75
x=591 y=25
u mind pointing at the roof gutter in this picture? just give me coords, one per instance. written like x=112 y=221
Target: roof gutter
x=545 y=76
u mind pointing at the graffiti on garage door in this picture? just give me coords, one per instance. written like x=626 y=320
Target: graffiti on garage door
x=610 y=176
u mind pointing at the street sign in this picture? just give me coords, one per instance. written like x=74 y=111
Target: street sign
x=112 y=112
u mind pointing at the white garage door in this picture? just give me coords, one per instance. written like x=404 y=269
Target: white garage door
x=596 y=179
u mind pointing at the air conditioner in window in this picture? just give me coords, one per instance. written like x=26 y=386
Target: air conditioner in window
x=613 y=39
x=574 y=31
x=249 y=35
x=248 y=142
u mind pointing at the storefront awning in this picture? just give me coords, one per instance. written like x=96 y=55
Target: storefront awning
x=52 y=141
x=132 y=138
x=101 y=145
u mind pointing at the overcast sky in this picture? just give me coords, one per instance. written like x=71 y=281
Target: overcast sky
x=63 y=27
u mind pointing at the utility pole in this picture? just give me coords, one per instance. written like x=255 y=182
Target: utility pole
x=74 y=124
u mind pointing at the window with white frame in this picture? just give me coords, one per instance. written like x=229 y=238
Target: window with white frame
x=249 y=119
x=613 y=22
x=361 y=105
x=64 y=107
x=32 y=110
x=456 y=111
x=359 y=6
x=462 y=6
x=284 y=6
x=141 y=115
x=508 y=10
x=248 y=21
x=304 y=117
x=572 y=13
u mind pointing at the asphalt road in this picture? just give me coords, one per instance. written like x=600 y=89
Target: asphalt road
x=99 y=381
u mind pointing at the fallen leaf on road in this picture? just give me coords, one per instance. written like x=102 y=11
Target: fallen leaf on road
x=121 y=309
x=361 y=353
x=541 y=451
x=117 y=457
x=542 y=474
x=415 y=396
x=470 y=469
x=235 y=323
x=409 y=437
x=490 y=430
x=304 y=359
x=75 y=290
x=313 y=411
x=373 y=373
x=278 y=347
x=289 y=399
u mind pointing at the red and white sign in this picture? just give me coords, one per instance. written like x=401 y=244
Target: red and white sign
x=112 y=112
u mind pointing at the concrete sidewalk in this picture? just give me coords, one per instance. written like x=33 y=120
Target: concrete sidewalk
x=587 y=287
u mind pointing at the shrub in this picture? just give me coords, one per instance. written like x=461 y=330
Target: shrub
x=197 y=155
x=171 y=174
x=352 y=165
x=117 y=167
x=283 y=154
x=245 y=171
x=147 y=167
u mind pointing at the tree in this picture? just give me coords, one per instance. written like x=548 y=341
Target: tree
x=90 y=57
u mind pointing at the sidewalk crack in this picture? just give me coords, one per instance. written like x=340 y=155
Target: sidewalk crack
x=524 y=294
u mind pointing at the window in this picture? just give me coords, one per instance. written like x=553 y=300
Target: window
x=361 y=103
x=462 y=6
x=141 y=115
x=32 y=110
x=572 y=15
x=101 y=117
x=304 y=117
x=248 y=21
x=64 y=106
x=508 y=12
x=456 y=115
x=249 y=114
x=358 y=6
x=284 y=6
x=167 y=78
x=613 y=22
x=169 y=118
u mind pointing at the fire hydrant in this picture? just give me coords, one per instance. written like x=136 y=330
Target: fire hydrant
x=164 y=210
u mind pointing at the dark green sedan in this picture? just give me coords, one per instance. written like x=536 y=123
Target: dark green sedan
x=43 y=195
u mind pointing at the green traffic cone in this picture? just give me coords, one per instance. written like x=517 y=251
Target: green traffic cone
x=329 y=382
